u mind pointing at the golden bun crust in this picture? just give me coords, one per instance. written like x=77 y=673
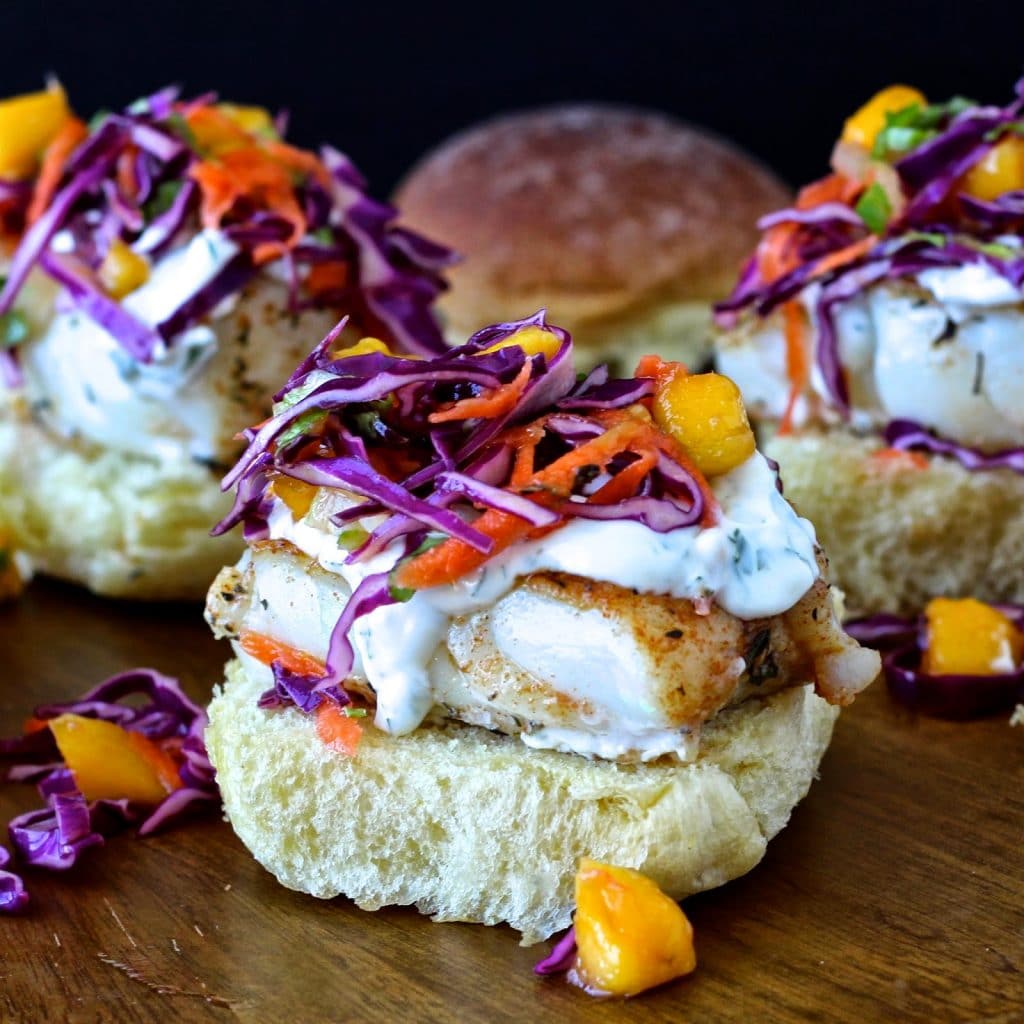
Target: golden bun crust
x=121 y=525
x=898 y=535
x=472 y=826
x=597 y=212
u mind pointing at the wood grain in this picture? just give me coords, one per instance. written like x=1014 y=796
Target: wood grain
x=896 y=893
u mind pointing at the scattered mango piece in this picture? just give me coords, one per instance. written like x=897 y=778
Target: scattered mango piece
x=27 y=125
x=630 y=936
x=704 y=412
x=296 y=494
x=123 y=270
x=1000 y=170
x=862 y=127
x=968 y=637
x=110 y=763
x=534 y=341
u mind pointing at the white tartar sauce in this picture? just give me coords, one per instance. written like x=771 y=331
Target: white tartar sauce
x=758 y=560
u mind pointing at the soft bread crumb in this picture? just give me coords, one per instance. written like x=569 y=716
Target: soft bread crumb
x=472 y=826
x=122 y=525
x=898 y=536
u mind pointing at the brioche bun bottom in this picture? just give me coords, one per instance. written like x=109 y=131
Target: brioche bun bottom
x=470 y=825
x=899 y=535
x=121 y=525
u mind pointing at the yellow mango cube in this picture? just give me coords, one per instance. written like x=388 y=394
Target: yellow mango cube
x=296 y=494
x=863 y=127
x=123 y=270
x=630 y=936
x=254 y=120
x=705 y=413
x=363 y=347
x=969 y=637
x=27 y=125
x=111 y=763
x=534 y=341
x=1000 y=170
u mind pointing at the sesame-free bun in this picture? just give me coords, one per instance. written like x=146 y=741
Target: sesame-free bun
x=901 y=529
x=122 y=525
x=626 y=224
x=470 y=825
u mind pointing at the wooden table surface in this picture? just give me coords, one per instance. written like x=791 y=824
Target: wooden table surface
x=895 y=894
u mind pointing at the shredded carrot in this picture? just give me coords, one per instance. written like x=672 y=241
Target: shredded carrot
x=900 y=458
x=490 y=405
x=126 y=181
x=34 y=724
x=659 y=369
x=833 y=188
x=797 y=365
x=337 y=730
x=625 y=483
x=849 y=253
x=268 y=650
x=453 y=559
x=57 y=152
x=324 y=278
x=251 y=174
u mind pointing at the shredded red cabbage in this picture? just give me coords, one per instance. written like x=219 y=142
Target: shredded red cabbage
x=392 y=276
x=561 y=957
x=365 y=425
x=907 y=435
x=54 y=836
x=958 y=697
x=933 y=228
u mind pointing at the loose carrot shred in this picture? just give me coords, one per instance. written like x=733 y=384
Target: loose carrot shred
x=337 y=730
x=57 y=152
x=453 y=559
x=491 y=405
x=326 y=277
x=849 y=253
x=900 y=458
x=268 y=650
x=797 y=366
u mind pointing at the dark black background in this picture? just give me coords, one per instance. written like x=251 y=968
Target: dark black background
x=385 y=81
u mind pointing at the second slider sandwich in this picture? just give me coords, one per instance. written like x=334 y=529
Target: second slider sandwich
x=579 y=615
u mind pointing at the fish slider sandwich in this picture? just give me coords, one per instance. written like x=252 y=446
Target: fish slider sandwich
x=494 y=617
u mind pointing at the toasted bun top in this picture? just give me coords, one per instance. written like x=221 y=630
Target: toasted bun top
x=589 y=210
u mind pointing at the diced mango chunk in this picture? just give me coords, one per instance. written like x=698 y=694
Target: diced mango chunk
x=630 y=936
x=27 y=125
x=1000 y=170
x=296 y=494
x=110 y=763
x=254 y=120
x=862 y=128
x=969 y=637
x=123 y=270
x=363 y=347
x=534 y=341
x=704 y=412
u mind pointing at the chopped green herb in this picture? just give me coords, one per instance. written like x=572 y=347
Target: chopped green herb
x=874 y=209
x=179 y=126
x=405 y=593
x=995 y=249
x=907 y=129
x=353 y=537
x=308 y=423
x=14 y=329
x=97 y=119
x=324 y=235
x=354 y=712
x=931 y=237
x=163 y=199
x=1012 y=128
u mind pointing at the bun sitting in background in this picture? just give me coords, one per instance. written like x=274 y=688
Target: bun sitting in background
x=579 y=614
x=626 y=224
